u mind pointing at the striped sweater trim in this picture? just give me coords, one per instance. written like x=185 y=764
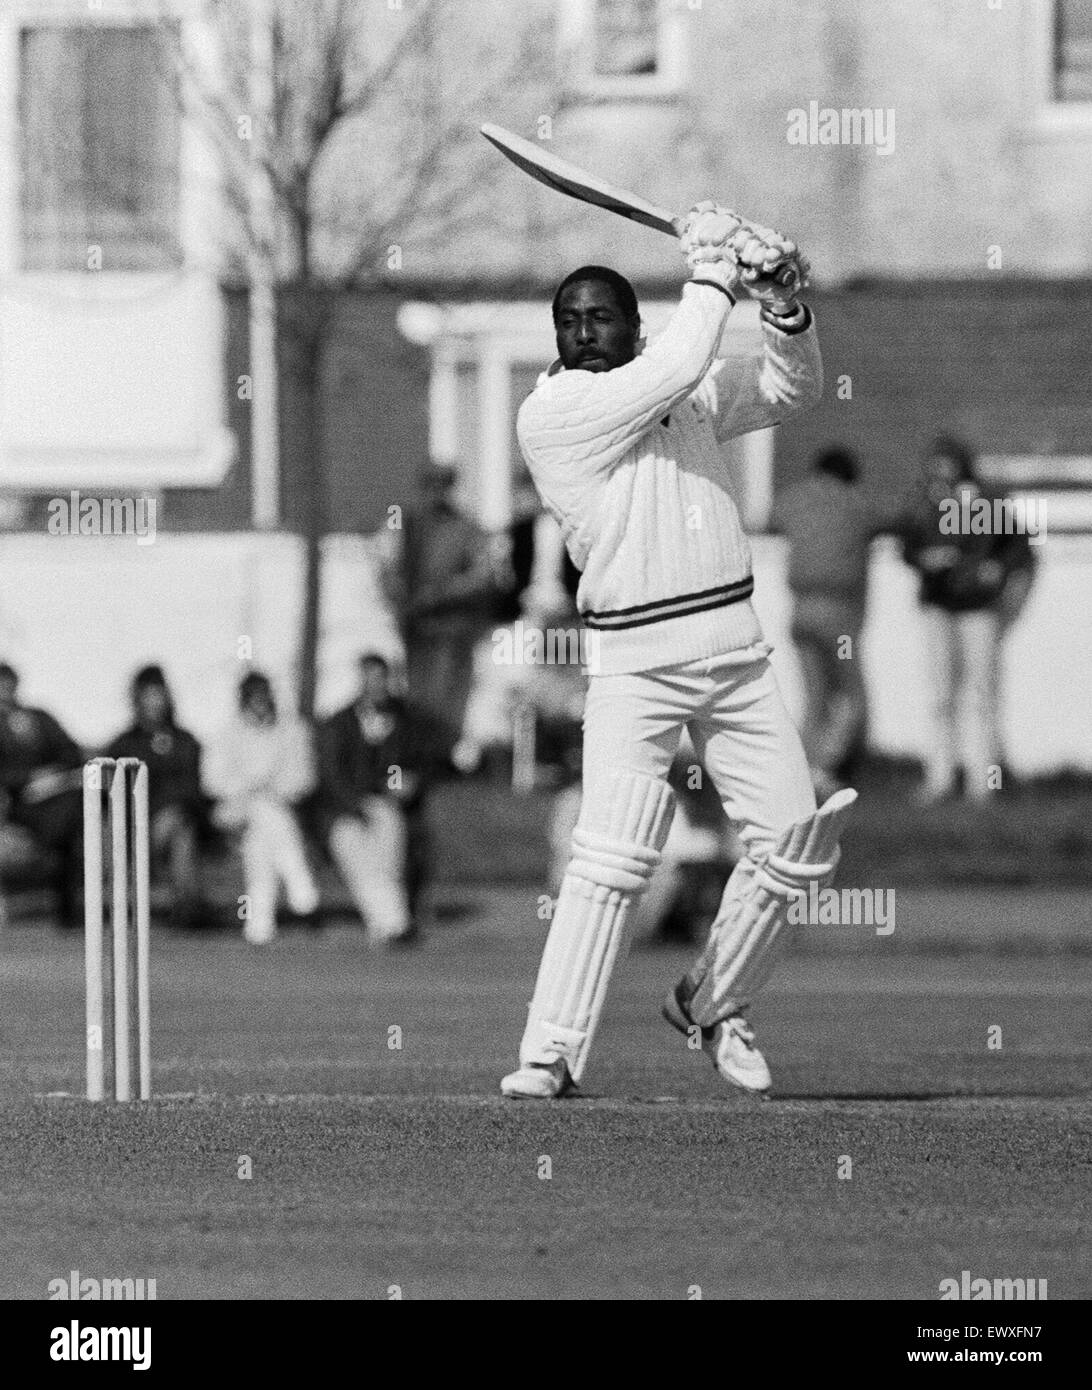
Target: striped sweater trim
x=684 y=604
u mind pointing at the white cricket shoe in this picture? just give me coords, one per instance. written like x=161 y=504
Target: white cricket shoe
x=730 y=1044
x=539 y=1081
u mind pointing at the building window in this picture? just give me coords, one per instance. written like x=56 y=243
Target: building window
x=625 y=38
x=99 y=149
x=624 y=48
x=1072 y=50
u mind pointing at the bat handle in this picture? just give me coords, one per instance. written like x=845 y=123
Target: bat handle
x=788 y=278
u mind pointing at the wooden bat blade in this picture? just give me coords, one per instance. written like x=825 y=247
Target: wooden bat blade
x=567 y=178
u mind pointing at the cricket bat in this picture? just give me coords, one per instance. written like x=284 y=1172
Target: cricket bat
x=575 y=182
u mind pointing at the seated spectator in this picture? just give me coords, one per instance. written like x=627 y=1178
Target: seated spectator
x=257 y=768
x=40 y=781
x=175 y=799
x=374 y=758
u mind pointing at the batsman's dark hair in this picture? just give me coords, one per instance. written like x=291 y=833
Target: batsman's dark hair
x=838 y=463
x=624 y=292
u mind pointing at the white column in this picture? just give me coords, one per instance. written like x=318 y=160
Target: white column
x=443 y=404
x=495 y=480
x=265 y=505
x=9 y=154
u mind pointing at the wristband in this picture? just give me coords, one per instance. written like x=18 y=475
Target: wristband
x=796 y=322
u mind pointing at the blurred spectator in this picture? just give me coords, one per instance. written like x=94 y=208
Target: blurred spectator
x=971 y=586
x=175 y=798
x=258 y=767
x=442 y=584
x=829 y=524
x=40 y=788
x=539 y=588
x=375 y=757
x=541 y=578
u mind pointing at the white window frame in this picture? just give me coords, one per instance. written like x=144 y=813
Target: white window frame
x=197 y=168
x=1049 y=116
x=494 y=337
x=576 y=50
x=78 y=463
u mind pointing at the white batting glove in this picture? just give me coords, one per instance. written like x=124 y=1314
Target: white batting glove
x=771 y=268
x=705 y=242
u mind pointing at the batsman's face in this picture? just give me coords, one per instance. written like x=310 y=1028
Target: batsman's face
x=593 y=333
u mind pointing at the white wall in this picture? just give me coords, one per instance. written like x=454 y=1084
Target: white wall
x=77 y=615
x=1047 y=666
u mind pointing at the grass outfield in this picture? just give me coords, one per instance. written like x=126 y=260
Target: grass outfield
x=1037 y=834
x=376 y=1166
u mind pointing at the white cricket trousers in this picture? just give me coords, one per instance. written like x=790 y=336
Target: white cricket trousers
x=965 y=659
x=633 y=724
x=273 y=852
x=741 y=731
x=370 y=854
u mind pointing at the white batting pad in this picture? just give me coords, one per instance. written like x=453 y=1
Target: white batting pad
x=749 y=932
x=616 y=847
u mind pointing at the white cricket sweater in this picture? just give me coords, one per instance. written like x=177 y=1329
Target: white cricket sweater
x=628 y=464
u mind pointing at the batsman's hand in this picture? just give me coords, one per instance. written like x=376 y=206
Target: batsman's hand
x=771 y=268
x=705 y=244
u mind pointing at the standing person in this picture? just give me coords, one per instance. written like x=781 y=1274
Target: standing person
x=175 y=799
x=374 y=757
x=829 y=524
x=443 y=584
x=40 y=780
x=259 y=767
x=622 y=442
x=973 y=582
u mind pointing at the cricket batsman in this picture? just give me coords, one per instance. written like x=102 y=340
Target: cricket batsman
x=622 y=443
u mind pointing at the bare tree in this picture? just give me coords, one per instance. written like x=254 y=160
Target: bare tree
x=360 y=161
